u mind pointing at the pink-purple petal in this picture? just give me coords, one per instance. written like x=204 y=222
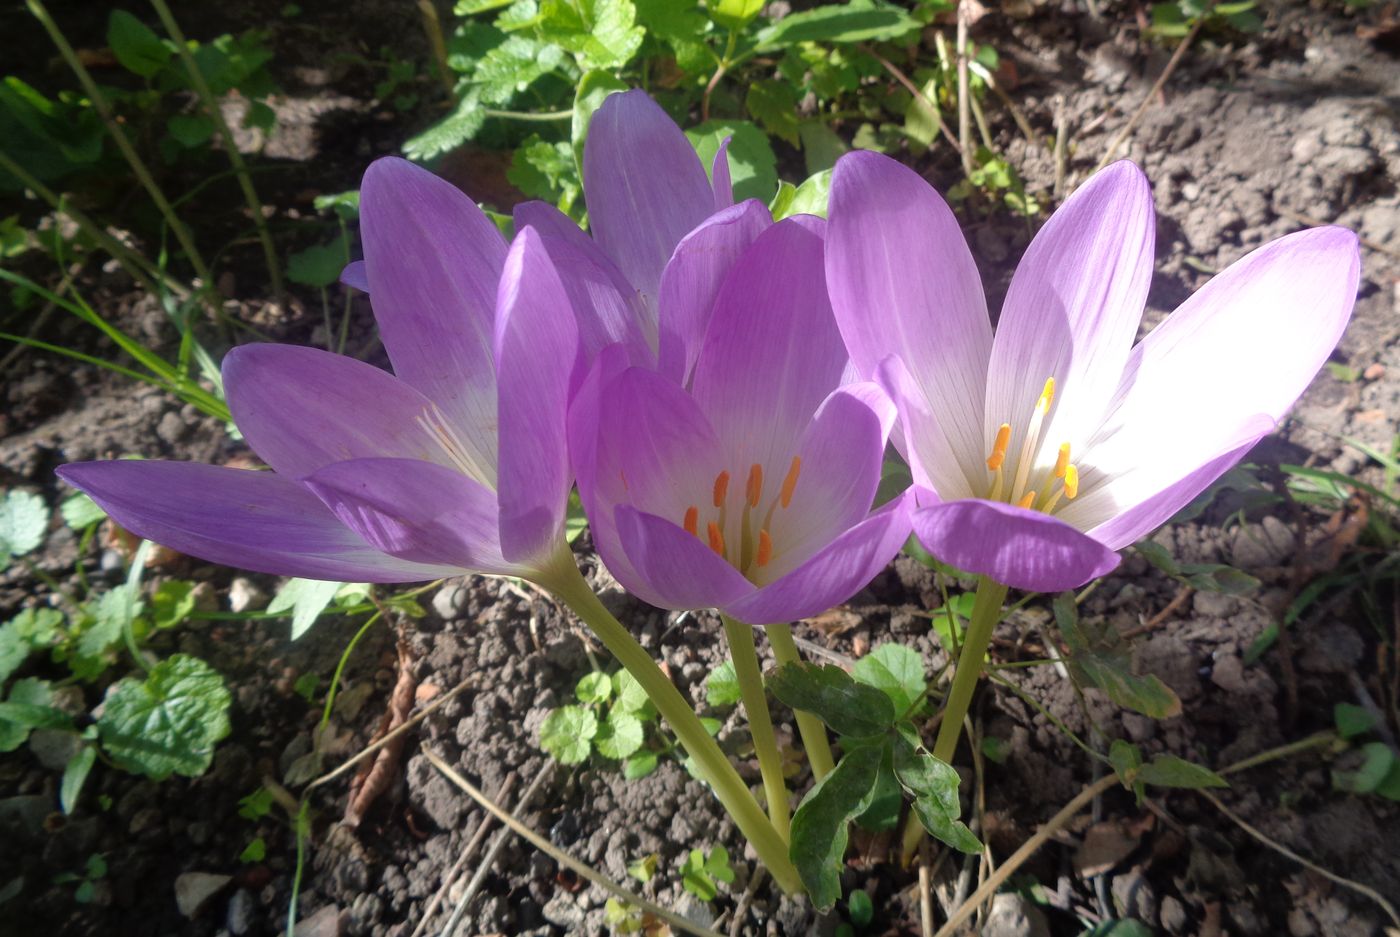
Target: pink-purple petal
x=903 y=283
x=538 y=363
x=354 y=276
x=1020 y=548
x=719 y=176
x=416 y=511
x=693 y=277
x=645 y=186
x=676 y=569
x=433 y=260
x=249 y=520
x=301 y=408
x=833 y=575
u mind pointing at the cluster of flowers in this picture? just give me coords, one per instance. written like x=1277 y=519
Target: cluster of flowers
x=722 y=388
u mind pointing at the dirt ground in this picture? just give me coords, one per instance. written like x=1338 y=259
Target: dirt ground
x=1252 y=138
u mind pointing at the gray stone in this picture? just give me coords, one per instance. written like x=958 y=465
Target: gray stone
x=22 y=818
x=195 y=890
x=1014 y=916
x=1269 y=543
x=451 y=601
x=326 y=922
x=693 y=909
x=241 y=909
x=53 y=747
x=561 y=911
x=244 y=595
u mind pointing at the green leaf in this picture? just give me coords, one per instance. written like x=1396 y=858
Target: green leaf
x=1215 y=577
x=860 y=908
x=631 y=698
x=255 y=851
x=995 y=750
x=600 y=34
x=34 y=716
x=774 y=105
x=896 y=671
x=1101 y=658
x=1352 y=720
x=820 y=825
x=829 y=693
x=734 y=14
x=644 y=868
x=934 y=786
x=33 y=629
x=513 y=66
x=106 y=618
x=886 y=800
x=190 y=130
x=1171 y=771
x=575 y=521
x=136 y=45
x=752 y=165
x=79 y=511
x=594 y=687
x=29 y=693
x=169 y=723
x=695 y=879
x=950 y=621
x=1125 y=928
x=172 y=603
x=821 y=148
x=856 y=21
x=319 y=266
x=1389 y=787
x=567 y=734
x=23 y=519
x=639 y=765
x=75 y=775
x=717 y=865
x=722 y=685
x=345 y=204
x=305 y=599
x=449 y=133
x=619 y=736
x=1378 y=763
x=1159 y=556
x=546 y=171
x=811 y=196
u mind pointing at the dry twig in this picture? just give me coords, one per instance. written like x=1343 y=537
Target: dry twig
x=374 y=777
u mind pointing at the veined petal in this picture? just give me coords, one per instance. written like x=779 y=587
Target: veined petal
x=433 y=261
x=903 y=283
x=840 y=455
x=608 y=308
x=248 y=520
x=772 y=352
x=719 y=176
x=833 y=575
x=676 y=569
x=1019 y=548
x=1220 y=370
x=538 y=364
x=645 y=186
x=1073 y=310
x=301 y=408
x=921 y=438
x=693 y=277
x=354 y=276
x=417 y=511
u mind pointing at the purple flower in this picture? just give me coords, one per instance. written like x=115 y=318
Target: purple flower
x=454 y=463
x=1040 y=452
x=747 y=486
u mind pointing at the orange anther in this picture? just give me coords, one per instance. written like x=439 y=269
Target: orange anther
x=1027 y=500
x=754 y=489
x=1071 y=481
x=998 y=456
x=790 y=483
x=1062 y=460
x=721 y=488
x=765 y=548
x=1047 y=395
x=692 y=521
x=716 y=538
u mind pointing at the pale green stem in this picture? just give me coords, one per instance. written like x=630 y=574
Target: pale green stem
x=564 y=580
x=986 y=612
x=744 y=654
x=813 y=732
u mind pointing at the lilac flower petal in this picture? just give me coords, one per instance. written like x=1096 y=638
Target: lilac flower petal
x=645 y=186
x=301 y=408
x=719 y=176
x=248 y=520
x=1073 y=309
x=608 y=309
x=1220 y=369
x=772 y=352
x=1023 y=549
x=537 y=366
x=677 y=569
x=920 y=437
x=416 y=511
x=354 y=275
x=693 y=277
x=433 y=261
x=842 y=453
x=833 y=575
x=903 y=282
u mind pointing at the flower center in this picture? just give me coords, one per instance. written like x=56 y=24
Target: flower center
x=1060 y=481
x=755 y=547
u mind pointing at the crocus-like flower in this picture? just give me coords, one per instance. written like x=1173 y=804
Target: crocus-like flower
x=1040 y=452
x=748 y=486
x=456 y=462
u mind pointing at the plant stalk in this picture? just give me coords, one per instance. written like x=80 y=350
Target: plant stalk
x=986 y=612
x=744 y=653
x=812 y=730
x=568 y=585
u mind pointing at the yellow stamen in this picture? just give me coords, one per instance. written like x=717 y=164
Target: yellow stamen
x=765 y=548
x=1071 y=481
x=692 y=521
x=998 y=456
x=721 y=488
x=1026 y=500
x=1062 y=460
x=1047 y=396
x=716 y=538
x=755 y=486
x=790 y=483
